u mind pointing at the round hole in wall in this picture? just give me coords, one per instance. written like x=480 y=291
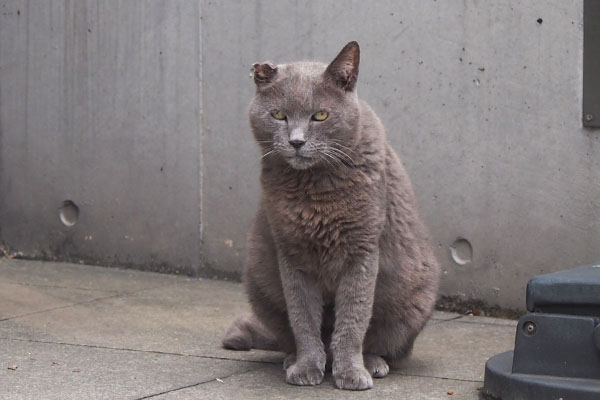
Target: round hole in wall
x=68 y=213
x=461 y=251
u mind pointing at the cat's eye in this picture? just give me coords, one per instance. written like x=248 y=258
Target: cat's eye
x=320 y=116
x=278 y=115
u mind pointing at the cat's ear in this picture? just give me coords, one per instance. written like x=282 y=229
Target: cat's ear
x=264 y=72
x=344 y=68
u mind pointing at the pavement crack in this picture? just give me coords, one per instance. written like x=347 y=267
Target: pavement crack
x=465 y=321
x=196 y=384
x=59 y=307
x=60 y=287
x=446 y=378
x=441 y=321
x=122 y=294
x=166 y=353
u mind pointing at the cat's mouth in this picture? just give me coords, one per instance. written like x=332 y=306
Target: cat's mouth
x=300 y=161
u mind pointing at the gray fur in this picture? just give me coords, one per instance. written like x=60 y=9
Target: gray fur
x=339 y=270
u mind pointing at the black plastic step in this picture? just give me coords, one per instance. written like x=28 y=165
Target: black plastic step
x=557 y=345
x=573 y=292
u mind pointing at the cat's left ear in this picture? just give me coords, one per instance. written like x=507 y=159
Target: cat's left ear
x=344 y=68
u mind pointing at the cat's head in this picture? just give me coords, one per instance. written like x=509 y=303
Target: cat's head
x=307 y=113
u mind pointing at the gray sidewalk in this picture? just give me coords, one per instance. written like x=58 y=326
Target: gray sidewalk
x=80 y=332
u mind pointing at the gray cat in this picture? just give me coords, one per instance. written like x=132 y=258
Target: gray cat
x=339 y=270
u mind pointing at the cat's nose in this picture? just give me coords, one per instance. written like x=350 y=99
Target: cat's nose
x=297 y=143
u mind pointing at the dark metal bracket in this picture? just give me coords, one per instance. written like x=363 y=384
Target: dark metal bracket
x=591 y=63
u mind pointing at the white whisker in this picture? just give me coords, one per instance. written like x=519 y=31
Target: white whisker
x=268 y=153
x=325 y=159
x=341 y=154
x=338 y=142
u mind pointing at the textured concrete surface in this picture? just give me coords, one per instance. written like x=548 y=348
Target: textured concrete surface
x=136 y=112
x=101 y=106
x=75 y=331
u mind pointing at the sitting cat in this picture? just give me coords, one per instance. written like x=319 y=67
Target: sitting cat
x=338 y=268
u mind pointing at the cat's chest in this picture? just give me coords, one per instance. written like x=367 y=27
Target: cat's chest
x=323 y=218
x=302 y=216
x=317 y=231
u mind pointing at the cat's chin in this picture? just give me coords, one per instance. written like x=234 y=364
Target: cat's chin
x=299 y=162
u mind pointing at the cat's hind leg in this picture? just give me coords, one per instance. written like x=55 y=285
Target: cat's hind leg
x=246 y=333
x=376 y=365
x=391 y=341
x=267 y=327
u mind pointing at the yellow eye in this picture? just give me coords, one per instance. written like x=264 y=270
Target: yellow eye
x=277 y=114
x=320 y=116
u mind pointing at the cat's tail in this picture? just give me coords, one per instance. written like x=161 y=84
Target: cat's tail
x=246 y=333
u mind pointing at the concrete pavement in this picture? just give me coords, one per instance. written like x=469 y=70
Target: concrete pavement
x=72 y=331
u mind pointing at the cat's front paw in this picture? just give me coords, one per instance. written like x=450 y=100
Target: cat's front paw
x=305 y=373
x=289 y=360
x=357 y=378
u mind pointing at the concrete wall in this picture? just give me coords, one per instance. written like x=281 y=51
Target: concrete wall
x=100 y=105
x=135 y=110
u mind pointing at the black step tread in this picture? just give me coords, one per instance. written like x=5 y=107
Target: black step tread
x=573 y=291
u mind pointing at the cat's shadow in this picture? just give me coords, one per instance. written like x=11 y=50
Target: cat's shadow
x=411 y=366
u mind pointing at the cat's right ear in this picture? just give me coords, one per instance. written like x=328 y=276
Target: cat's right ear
x=264 y=73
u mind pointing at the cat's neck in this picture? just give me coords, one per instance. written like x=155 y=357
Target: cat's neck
x=323 y=177
x=278 y=177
